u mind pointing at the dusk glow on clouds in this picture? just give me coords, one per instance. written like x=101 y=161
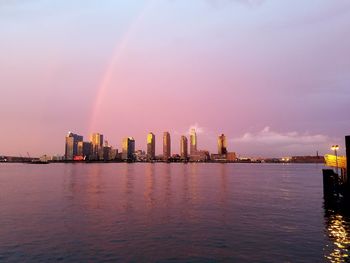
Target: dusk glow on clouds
x=281 y=143
x=125 y=68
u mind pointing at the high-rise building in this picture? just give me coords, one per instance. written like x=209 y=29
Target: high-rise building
x=107 y=152
x=70 y=148
x=151 y=146
x=113 y=154
x=193 y=142
x=80 y=148
x=222 y=144
x=166 y=146
x=96 y=140
x=128 y=148
x=183 y=147
x=84 y=149
x=72 y=145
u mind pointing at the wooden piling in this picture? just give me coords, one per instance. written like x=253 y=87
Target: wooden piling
x=347 y=168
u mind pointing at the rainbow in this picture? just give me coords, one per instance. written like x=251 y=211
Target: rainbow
x=116 y=54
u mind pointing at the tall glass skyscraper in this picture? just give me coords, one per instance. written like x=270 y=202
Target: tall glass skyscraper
x=151 y=146
x=72 y=145
x=166 y=146
x=183 y=147
x=96 y=140
x=193 y=142
x=222 y=144
x=128 y=148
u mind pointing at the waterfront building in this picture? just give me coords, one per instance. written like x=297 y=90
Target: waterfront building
x=222 y=144
x=166 y=146
x=71 y=147
x=176 y=158
x=183 y=148
x=231 y=157
x=80 y=148
x=128 y=148
x=141 y=156
x=106 y=153
x=113 y=154
x=200 y=156
x=96 y=140
x=218 y=157
x=84 y=149
x=193 y=142
x=151 y=146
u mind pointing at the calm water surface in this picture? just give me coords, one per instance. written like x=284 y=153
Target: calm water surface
x=168 y=213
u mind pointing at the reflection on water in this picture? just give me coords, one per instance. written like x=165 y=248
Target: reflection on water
x=150 y=186
x=168 y=212
x=338 y=228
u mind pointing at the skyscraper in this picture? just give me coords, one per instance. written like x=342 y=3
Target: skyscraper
x=222 y=144
x=96 y=140
x=183 y=147
x=166 y=146
x=193 y=142
x=72 y=145
x=128 y=148
x=151 y=146
x=84 y=149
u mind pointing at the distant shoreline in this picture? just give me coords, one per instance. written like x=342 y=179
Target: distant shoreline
x=162 y=162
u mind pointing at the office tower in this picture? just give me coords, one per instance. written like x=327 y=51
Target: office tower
x=222 y=144
x=72 y=145
x=151 y=146
x=84 y=149
x=128 y=148
x=183 y=147
x=113 y=154
x=80 y=148
x=193 y=142
x=166 y=146
x=69 y=152
x=107 y=152
x=96 y=140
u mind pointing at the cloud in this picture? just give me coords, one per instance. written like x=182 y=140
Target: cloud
x=251 y=3
x=270 y=137
x=199 y=130
x=5 y=3
x=268 y=141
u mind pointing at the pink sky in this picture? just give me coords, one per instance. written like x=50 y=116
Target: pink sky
x=272 y=76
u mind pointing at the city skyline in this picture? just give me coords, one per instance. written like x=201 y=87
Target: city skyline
x=98 y=142
x=75 y=145
x=76 y=149
x=273 y=76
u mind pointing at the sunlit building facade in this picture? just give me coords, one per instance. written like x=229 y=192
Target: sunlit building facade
x=151 y=146
x=96 y=140
x=128 y=148
x=166 y=146
x=193 y=142
x=84 y=149
x=71 y=147
x=183 y=147
x=222 y=144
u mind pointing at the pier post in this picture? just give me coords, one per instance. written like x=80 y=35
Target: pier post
x=347 y=149
x=330 y=183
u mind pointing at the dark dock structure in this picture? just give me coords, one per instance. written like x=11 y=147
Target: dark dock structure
x=336 y=184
